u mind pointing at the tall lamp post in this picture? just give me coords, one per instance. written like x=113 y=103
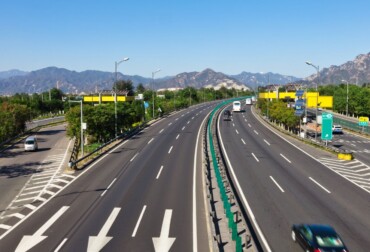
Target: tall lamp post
x=347 y=97
x=153 y=73
x=115 y=92
x=317 y=94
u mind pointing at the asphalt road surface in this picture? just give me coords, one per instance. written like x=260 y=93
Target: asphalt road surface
x=284 y=186
x=144 y=195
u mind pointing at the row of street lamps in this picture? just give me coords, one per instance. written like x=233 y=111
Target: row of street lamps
x=115 y=90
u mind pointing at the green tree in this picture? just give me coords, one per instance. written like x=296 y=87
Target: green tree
x=125 y=85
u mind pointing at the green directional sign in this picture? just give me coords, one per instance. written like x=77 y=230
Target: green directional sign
x=327 y=125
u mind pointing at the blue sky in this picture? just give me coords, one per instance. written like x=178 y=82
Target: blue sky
x=229 y=36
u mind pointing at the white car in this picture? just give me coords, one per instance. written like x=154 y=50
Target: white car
x=337 y=129
x=31 y=144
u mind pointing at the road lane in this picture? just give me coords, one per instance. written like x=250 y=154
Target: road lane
x=130 y=185
x=302 y=200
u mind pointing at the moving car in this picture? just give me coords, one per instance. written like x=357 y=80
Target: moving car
x=227 y=115
x=31 y=144
x=237 y=106
x=317 y=238
x=337 y=129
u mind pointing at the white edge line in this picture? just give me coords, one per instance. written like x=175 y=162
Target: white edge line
x=159 y=173
x=195 y=228
x=317 y=183
x=114 y=180
x=276 y=183
x=138 y=221
x=249 y=210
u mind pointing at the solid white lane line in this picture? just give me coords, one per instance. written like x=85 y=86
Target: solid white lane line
x=266 y=142
x=150 y=140
x=244 y=199
x=255 y=132
x=159 y=173
x=161 y=131
x=183 y=128
x=243 y=141
x=114 y=180
x=170 y=150
x=237 y=132
x=132 y=159
x=317 y=183
x=138 y=222
x=276 y=183
x=255 y=157
x=60 y=245
x=285 y=158
x=177 y=137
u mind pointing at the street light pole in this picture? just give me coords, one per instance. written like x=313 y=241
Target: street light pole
x=115 y=93
x=317 y=94
x=153 y=73
x=347 y=97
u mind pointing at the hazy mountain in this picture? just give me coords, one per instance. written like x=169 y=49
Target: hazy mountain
x=356 y=71
x=11 y=73
x=262 y=79
x=207 y=78
x=66 y=80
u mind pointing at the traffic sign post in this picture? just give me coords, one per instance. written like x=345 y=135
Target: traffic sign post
x=327 y=126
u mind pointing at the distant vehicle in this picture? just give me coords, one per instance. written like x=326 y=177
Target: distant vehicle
x=227 y=115
x=31 y=144
x=337 y=129
x=254 y=99
x=317 y=238
x=237 y=106
x=248 y=101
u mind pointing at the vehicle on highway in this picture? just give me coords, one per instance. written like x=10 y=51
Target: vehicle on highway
x=317 y=238
x=31 y=144
x=227 y=115
x=248 y=101
x=337 y=129
x=237 y=106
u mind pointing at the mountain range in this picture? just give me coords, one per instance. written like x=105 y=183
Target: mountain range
x=16 y=81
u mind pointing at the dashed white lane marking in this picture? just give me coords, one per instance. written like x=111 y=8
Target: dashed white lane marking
x=255 y=157
x=132 y=159
x=150 y=140
x=243 y=141
x=170 y=150
x=237 y=132
x=276 y=183
x=250 y=126
x=177 y=137
x=183 y=128
x=266 y=142
x=255 y=131
x=114 y=180
x=138 y=221
x=188 y=122
x=159 y=173
x=161 y=131
x=285 y=158
x=317 y=183
x=170 y=124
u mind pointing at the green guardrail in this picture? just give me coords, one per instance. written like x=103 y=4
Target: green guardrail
x=233 y=226
x=351 y=125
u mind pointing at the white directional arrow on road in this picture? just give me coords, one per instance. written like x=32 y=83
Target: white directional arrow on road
x=96 y=243
x=29 y=241
x=164 y=243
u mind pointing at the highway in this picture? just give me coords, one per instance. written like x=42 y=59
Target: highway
x=144 y=195
x=24 y=175
x=284 y=185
